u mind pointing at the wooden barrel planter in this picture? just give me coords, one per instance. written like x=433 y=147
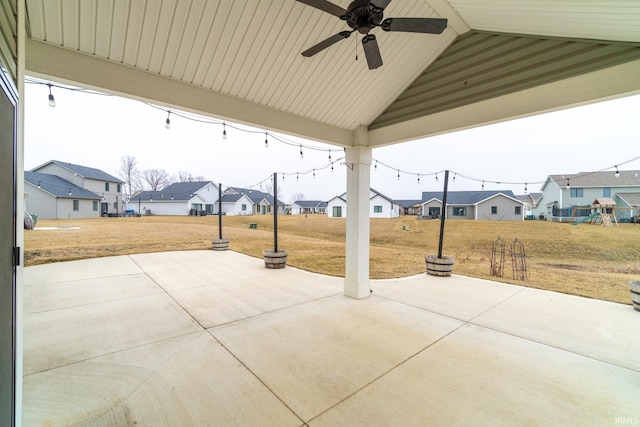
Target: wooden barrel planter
x=275 y=259
x=220 y=244
x=634 y=288
x=439 y=266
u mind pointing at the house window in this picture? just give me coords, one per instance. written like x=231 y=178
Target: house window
x=118 y=188
x=434 y=211
x=606 y=192
x=576 y=192
x=460 y=211
x=377 y=209
x=106 y=186
x=76 y=205
x=494 y=210
x=518 y=210
x=95 y=205
x=337 y=211
x=243 y=207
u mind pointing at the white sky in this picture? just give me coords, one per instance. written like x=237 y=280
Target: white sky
x=97 y=131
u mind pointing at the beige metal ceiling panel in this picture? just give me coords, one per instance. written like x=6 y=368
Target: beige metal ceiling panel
x=593 y=19
x=119 y=29
x=155 y=36
x=176 y=32
x=71 y=33
x=482 y=65
x=196 y=28
x=132 y=45
x=53 y=22
x=199 y=44
x=87 y=25
x=148 y=33
x=103 y=26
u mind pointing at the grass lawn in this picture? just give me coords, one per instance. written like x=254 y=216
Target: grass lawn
x=586 y=260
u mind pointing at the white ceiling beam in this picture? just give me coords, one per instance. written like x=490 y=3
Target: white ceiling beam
x=610 y=83
x=65 y=65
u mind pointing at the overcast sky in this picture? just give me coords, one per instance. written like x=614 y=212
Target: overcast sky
x=97 y=131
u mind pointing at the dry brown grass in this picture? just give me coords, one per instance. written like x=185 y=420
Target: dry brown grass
x=586 y=260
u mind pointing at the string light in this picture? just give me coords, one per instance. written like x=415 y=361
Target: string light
x=617 y=174
x=375 y=167
x=52 y=101
x=167 y=123
x=418 y=178
x=437 y=177
x=224 y=130
x=297 y=177
x=482 y=185
x=314 y=174
x=398 y=174
x=69 y=190
x=454 y=177
x=266 y=141
x=301 y=153
x=329 y=155
x=525 y=187
x=568 y=184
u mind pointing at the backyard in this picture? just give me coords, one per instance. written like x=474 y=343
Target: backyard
x=586 y=260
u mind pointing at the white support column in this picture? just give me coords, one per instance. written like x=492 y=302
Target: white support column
x=358 y=160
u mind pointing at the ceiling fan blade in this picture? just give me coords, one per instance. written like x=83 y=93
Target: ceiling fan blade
x=371 y=51
x=377 y=6
x=325 y=6
x=326 y=43
x=415 y=25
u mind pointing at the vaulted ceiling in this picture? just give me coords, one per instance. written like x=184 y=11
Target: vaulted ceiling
x=241 y=61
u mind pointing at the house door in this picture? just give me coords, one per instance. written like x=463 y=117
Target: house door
x=104 y=208
x=9 y=257
x=337 y=211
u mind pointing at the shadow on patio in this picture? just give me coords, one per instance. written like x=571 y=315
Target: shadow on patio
x=214 y=338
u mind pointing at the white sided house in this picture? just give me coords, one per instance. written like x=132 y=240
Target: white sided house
x=261 y=202
x=236 y=204
x=308 y=207
x=474 y=205
x=107 y=186
x=179 y=198
x=380 y=206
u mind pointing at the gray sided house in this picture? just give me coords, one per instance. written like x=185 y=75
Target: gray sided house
x=476 y=205
x=308 y=207
x=261 y=202
x=107 y=186
x=531 y=202
x=567 y=195
x=179 y=198
x=410 y=207
x=53 y=197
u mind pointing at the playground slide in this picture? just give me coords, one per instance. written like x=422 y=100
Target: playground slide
x=585 y=219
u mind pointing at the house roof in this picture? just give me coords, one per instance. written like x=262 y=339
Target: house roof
x=176 y=192
x=255 y=196
x=408 y=203
x=604 y=201
x=241 y=61
x=631 y=199
x=629 y=178
x=530 y=198
x=310 y=203
x=466 y=198
x=58 y=187
x=84 y=171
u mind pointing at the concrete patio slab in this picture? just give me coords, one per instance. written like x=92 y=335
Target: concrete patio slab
x=238 y=344
x=593 y=328
x=456 y=296
x=185 y=381
x=475 y=376
x=316 y=354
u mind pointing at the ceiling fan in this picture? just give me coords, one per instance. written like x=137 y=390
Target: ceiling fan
x=363 y=16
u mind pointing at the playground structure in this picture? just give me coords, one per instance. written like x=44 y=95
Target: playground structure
x=602 y=212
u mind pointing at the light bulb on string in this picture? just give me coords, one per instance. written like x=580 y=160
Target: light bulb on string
x=375 y=167
x=454 y=177
x=314 y=174
x=482 y=185
x=331 y=166
x=266 y=141
x=568 y=184
x=297 y=177
x=418 y=178
x=329 y=155
x=617 y=174
x=224 y=130
x=52 y=101
x=437 y=177
x=525 y=187
x=301 y=153
x=398 y=174
x=167 y=123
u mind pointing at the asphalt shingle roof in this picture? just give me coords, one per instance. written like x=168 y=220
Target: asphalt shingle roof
x=599 y=179
x=465 y=198
x=59 y=187
x=88 y=172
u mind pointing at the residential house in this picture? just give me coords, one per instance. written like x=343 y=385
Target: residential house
x=179 y=198
x=380 y=206
x=476 y=205
x=236 y=204
x=570 y=195
x=530 y=201
x=107 y=186
x=308 y=207
x=410 y=207
x=261 y=202
x=53 y=197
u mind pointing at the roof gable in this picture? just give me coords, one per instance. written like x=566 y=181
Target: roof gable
x=85 y=171
x=629 y=178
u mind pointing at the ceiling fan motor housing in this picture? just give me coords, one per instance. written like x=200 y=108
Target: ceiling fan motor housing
x=362 y=16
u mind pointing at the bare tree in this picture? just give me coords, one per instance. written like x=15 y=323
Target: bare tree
x=297 y=196
x=156 y=179
x=185 y=176
x=269 y=189
x=128 y=172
